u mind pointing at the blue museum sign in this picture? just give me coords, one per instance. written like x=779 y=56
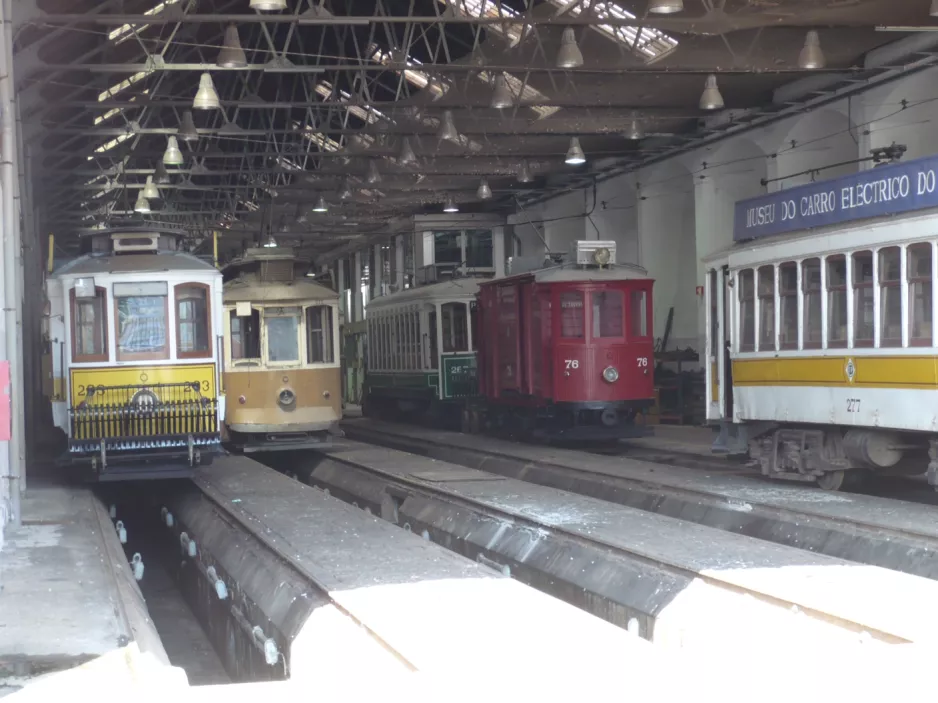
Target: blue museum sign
x=884 y=190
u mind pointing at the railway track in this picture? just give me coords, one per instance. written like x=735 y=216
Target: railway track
x=871 y=530
x=673 y=582
x=292 y=583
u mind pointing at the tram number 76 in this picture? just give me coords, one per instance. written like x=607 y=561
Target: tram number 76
x=572 y=363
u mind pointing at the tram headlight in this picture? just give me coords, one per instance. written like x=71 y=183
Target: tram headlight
x=144 y=400
x=286 y=398
x=610 y=374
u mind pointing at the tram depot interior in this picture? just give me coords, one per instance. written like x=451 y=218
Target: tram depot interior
x=771 y=166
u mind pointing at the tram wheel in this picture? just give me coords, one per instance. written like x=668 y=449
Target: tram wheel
x=831 y=480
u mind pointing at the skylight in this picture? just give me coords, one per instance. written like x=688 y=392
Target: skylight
x=320 y=140
x=414 y=76
x=650 y=44
x=123 y=85
x=108 y=145
x=528 y=94
x=365 y=114
x=115 y=110
x=126 y=31
x=487 y=8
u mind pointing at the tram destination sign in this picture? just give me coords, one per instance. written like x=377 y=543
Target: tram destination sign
x=884 y=190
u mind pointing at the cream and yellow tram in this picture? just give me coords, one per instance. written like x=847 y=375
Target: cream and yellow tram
x=134 y=355
x=823 y=353
x=282 y=371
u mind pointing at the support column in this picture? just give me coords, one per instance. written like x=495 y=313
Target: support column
x=340 y=282
x=12 y=469
x=377 y=276
x=357 y=302
x=399 y=262
x=498 y=251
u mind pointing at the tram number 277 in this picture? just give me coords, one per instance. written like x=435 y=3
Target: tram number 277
x=853 y=405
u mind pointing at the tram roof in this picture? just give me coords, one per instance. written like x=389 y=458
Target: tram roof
x=166 y=261
x=249 y=288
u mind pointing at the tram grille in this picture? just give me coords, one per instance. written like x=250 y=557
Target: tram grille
x=155 y=416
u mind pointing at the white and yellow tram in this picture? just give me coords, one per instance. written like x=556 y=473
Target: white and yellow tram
x=823 y=353
x=282 y=368
x=134 y=334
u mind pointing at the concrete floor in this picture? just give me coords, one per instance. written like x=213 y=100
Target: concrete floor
x=58 y=600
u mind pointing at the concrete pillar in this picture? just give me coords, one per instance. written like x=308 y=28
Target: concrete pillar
x=710 y=235
x=358 y=312
x=377 y=276
x=399 y=261
x=343 y=307
x=498 y=251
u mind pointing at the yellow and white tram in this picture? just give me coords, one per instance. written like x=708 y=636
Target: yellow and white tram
x=134 y=356
x=282 y=367
x=823 y=353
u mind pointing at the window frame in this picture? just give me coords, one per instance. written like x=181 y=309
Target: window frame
x=73 y=308
x=750 y=272
x=804 y=292
x=328 y=333
x=265 y=335
x=845 y=288
x=911 y=280
x=790 y=293
x=209 y=352
x=895 y=284
x=141 y=356
x=855 y=285
x=624 y=301
x=771 y=296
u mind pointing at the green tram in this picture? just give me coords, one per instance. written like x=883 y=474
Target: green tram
x=421 y=353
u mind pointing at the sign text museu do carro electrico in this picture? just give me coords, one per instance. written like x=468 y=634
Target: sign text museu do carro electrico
x=885 y=190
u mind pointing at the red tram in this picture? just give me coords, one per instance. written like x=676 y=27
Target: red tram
x=567 y=352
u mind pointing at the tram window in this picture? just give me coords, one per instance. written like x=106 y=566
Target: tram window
x=415 y=338
x=282 y=334
x=788 y=305
x=245 y=336
x=890 y=297
x=766 y=308
x=454 y=327
x=319 y=346
x=920 y=301
x=639 y=313
x=862 y=276
x=192 y=321
x=141 y=321
x=474 y=325
x=89 y=327
x=747 y=311
x=811 y=288
x=837 y=301
x=571 y=315
x=434 y=361
x=608 y=313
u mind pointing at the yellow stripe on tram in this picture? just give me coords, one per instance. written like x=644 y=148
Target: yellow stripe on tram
x=862 y=371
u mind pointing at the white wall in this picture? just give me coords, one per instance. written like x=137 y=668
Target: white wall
x=669 y=216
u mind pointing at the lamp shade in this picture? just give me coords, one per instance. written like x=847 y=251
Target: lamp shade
x=207 y=97
x=231 y=54
x=501 y=94
x=811 y=56
x=448 y=130
x=569 y=55
x=142 y=206
x=172 y=156
x=575 y=155
x=320 y=205
x=484 y=192
x=187 y=131
x=450 y=205
x=406 y=156
x=150 y=191
x=665 y=7
x=268 y=5
x=711 y=99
